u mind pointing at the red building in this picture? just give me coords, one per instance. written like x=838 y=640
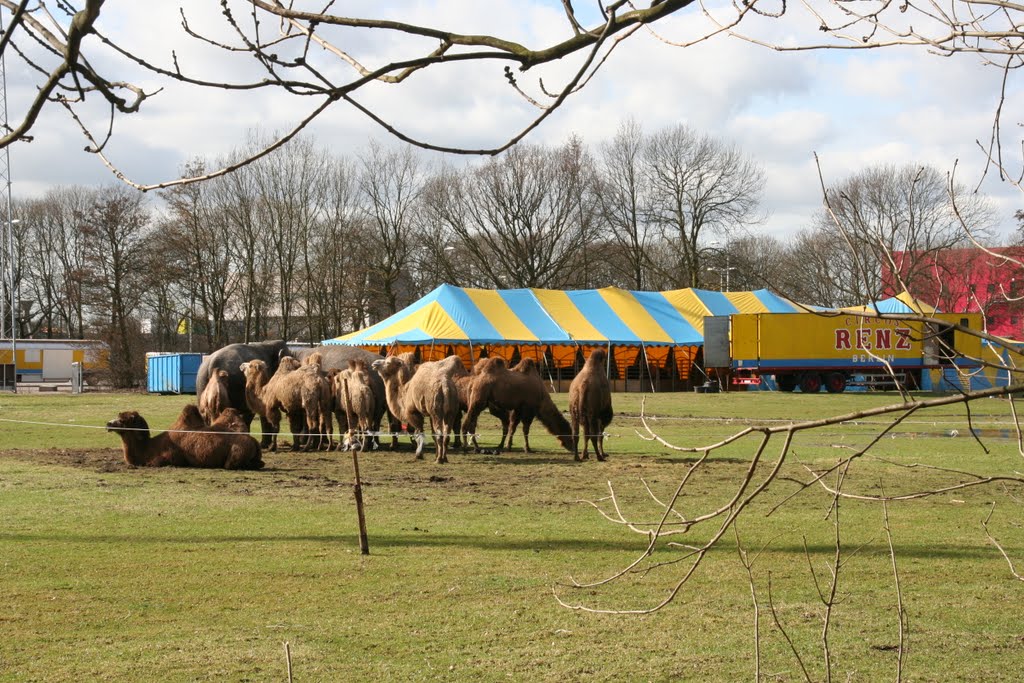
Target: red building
x=966 y=281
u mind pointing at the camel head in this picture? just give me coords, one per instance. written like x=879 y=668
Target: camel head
x=288 y=364
x=527 y=366
x=598 y=357
x=128 y=420
x=190 y=418
x=392 y=367
x=255 y=373
x=490 y=365
x=231 y=420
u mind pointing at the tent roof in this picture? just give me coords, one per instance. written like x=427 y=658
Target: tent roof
x=904 y=302
x=455 y=315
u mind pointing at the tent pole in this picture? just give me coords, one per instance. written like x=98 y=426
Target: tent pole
x=647 y=362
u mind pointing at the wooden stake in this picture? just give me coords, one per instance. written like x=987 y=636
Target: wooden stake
x=288 y=658
x=364 y=543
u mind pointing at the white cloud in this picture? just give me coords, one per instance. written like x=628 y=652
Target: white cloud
x=854 y=109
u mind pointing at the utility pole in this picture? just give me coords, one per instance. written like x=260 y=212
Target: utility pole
x=5 y=177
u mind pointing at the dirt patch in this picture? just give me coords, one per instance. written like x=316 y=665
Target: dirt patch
x=96 y=460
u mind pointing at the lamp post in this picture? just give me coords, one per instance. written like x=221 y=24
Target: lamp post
x=723 y=272
x=723 y=277
x=13 y=303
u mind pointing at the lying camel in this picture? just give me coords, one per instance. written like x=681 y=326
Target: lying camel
x=522 y=393
x=216 y=446
x=430 y=391
x=214 y=398
x=590 y=405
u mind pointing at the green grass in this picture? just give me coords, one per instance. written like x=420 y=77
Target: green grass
x=188 y=575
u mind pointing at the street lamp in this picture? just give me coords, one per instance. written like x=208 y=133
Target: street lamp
x=11 y=222
x=723 y=273
x=723 y=277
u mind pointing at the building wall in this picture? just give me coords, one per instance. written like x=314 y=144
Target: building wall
x=966 y=281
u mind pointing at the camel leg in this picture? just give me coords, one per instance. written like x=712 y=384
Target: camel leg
x=513 y=422
x=297 y=424
x=586 y=437
x=271 y=427
x=527 y=421
x=415 y=426
x=599 y=441
x=268 y=429
x=575 y=424
x=441 y=444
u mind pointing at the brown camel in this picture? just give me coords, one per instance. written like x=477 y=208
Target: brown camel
x=317 y=398
x=590 y=405
x=202 y=446
x=214 y=398
x=429 y=391
x=523 y=394
x=267 y=396
x=355 y=403
x=464 y=384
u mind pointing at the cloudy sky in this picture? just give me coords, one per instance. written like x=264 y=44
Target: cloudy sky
x=853 y=108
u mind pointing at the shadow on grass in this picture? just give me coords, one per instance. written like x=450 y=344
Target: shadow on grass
x=496 y=543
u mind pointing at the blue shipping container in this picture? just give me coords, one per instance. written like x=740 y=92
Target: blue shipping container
x=173 y=373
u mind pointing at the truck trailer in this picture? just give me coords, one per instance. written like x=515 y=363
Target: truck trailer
x=836 y=349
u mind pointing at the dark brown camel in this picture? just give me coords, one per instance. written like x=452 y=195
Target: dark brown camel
x=523 y=394
x=217 y=446
x=590 y=405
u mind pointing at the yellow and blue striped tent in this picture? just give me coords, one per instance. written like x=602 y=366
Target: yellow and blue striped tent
x=475 y=322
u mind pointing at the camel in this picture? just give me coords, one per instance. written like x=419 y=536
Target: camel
x=215 y=398
x=590 y=405
x=334 y=359
x=356 y=403
x=317 y=396
x=464 y=384
x=267 y=396
x=216 y=446
x=522 y=393
x=430 y=391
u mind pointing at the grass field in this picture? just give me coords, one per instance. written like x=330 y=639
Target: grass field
x=110 y=573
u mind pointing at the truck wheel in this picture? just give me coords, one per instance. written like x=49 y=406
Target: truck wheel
x=835 y=383
x=785 y=382
x=810 y=383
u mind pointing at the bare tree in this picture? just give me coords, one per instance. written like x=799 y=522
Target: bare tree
x=238 y=196
x=698 y=185
x=114 y=229
x=521 y=219
x=334 y=255
x=625 y=200
x=391 y=182
x=889 y=219
x=197 y=231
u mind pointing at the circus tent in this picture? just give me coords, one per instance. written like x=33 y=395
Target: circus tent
x=652 y=332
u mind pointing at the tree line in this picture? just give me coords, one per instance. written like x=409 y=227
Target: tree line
x=304 y=244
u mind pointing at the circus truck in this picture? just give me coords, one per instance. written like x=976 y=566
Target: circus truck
x=836 y=350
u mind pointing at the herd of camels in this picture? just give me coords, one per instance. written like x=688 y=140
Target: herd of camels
x=357 y=389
